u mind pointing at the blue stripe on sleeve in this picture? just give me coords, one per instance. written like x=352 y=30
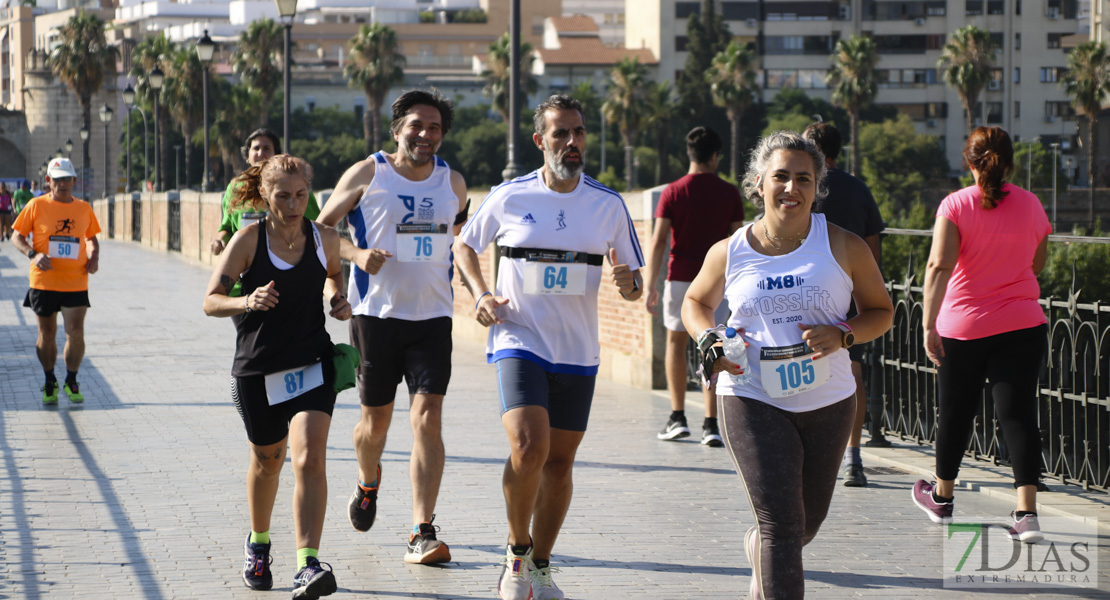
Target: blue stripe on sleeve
x=631 y=227
x=356 y=221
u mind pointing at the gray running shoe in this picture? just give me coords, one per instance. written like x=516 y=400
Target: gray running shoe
x=675 y=429
x=1026 y=529
x=854 y=477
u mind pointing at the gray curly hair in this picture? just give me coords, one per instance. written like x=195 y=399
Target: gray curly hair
x=761 y=157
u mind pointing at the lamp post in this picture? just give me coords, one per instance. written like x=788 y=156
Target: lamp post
x=1055 y=167
x=177 y=166
x=106 y=117
x=59 y=154
x=69 y=148
x=129 y=102
x=287 y=9
x=512 y=169
x=155 y=78
x=205 y=49
x=85 y=169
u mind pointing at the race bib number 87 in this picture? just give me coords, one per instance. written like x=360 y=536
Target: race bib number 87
x=286 y=385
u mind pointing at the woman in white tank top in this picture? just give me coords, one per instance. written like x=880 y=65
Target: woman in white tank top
x=789 y=280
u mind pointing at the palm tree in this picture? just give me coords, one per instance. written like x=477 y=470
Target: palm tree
x=376 y=64
x=497 y=70
x=854 y=84
x=184 y=77
x=660 y=115
x=83 y=61
x=235 y=118
x=733 y=84
x=255 y=60
x=626 y=106
x=1088 y=83
x=967 y=59
x=149 y=53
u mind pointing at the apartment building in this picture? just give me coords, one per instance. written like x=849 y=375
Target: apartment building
x=573 y=52
x=607 y=14
x=795 y=39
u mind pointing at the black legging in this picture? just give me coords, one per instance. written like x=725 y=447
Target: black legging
x=788 y=463
x=1012 y=362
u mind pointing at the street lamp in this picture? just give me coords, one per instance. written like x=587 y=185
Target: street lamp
x=155 y=79
x=59 y=154
x=287 y=9
x=1055 y=167
x=129 y=103
x=106 y=117
x=85 y=163
x=69 y=148
x=206 y=48
x=512 y=169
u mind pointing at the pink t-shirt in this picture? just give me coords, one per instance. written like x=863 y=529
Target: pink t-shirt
x=993 y=289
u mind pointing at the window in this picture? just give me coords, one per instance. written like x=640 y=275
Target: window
x=537 y=25
x=1062 y=110
x=1017 y=41
x=310 y=103
x=996 y=7
x=1017 y=110
x=741 y=11
x=685 y=10
x=996 y=80
x=973 y=8
x=1051 y=74
x=1017 y=74
x=1054 y=40
x=1017 y=8
x=999 y=40
x=934 y=8
x=680 y=42
x=994 y=113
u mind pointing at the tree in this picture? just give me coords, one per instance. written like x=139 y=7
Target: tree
x=707 y=35
x=255 y=60
x=149 y=53
x=237 y=112
x=184 y=77
x=497 y=73
x=1088 y=84
x=733 y=85
x=83 y=61
x=626 y=106
x=854 y=83
x=376 y=64
x=967 y=59
x=659 y=115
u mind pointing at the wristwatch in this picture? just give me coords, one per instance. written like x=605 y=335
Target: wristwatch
x=32 y=254
x=709 y=358
x=847 y=338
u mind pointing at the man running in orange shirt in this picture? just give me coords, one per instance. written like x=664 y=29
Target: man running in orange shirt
x=63 y=252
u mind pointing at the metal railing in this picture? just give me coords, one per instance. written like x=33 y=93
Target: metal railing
x=173 y=222
x=136 y=217
x=1073 y=388
x=1073 y=391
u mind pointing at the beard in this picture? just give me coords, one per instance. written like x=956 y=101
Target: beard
x=410 y=152
x=562 y=169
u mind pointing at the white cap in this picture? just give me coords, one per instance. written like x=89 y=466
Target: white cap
x=60 y=167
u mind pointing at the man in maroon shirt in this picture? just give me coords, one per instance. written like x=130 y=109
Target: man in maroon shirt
x=697 y=211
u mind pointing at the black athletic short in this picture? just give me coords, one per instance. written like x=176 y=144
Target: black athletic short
x=47 y=302
x=567 y=398
x=392 y=349
x=266 y=424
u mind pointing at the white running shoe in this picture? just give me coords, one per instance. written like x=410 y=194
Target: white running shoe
x=751 y=548
x=542 y=586
x=516 y=580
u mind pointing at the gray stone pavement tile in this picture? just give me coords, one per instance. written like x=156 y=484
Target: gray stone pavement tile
x=140 y=493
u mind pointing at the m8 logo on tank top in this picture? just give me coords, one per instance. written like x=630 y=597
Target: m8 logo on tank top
x=418 y=214
x=798 y=298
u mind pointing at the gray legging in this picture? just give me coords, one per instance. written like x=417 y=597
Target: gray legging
x=788 y=463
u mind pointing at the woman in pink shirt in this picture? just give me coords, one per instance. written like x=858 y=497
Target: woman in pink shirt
x=982 y=321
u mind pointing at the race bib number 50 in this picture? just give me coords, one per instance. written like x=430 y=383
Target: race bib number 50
x=64 y=246
x=789 y=370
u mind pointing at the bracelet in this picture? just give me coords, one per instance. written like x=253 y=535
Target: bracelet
x=480 y=299
x=247 y=303
x=702 y=338
x=845 y=325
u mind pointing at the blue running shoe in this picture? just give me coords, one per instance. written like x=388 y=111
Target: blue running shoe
x=314 y=581
x=256 y=573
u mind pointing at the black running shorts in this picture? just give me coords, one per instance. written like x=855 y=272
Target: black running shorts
x=392 y=349
x=567 y=398
x=47 y=302
x=266 y=424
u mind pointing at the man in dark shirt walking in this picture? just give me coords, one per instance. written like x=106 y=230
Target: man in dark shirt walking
x=850 y=205
x=697 y=211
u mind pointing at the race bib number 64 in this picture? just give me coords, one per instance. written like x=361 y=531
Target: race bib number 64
x=562 y=279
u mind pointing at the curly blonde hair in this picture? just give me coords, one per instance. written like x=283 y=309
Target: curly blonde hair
x=250 y=194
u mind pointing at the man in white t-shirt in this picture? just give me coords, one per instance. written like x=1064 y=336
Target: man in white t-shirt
x=553 y=228
x=403 y=211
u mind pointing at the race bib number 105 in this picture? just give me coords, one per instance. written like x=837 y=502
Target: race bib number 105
x=789 y=370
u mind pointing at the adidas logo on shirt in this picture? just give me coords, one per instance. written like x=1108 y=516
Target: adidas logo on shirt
x=528 y=220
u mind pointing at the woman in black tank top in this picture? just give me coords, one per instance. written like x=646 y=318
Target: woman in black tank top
x=272 y=281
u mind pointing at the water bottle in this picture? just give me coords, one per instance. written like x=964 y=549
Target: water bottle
x=736 y=350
